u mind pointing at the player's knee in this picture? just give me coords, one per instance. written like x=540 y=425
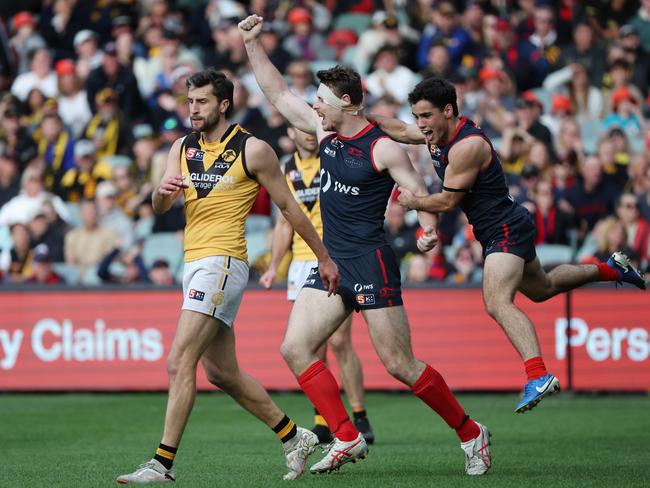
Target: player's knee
x=220 y=378
x=397 y=369
x=290 y=352
x=339 y=344
x=495 y=308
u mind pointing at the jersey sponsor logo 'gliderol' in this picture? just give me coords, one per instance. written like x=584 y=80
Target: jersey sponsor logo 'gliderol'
x=338 y=186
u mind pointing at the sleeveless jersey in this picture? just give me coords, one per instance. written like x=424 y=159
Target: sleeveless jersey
x=353 y=194
x=220 y=194
x=488 y=204
x=303 y=178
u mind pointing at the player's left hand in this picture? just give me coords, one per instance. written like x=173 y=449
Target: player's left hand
x=406 y=198
x=428 y=239
x=329 y=275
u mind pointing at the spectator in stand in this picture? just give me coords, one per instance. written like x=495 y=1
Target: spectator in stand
x=109 y=128
x=636 y=172
x=514 y=149
x=611 y=236
x=111 y=74
x=301 y=81
x=384 y=30
x=79 y=183
x=465 y=270
x=86 y=245
x=389 y=77
x=144 y=148
x=613 y=169
x=49 y=233
x=40 y=75
x=399 y=234
x=112 y=216
x=17 y=141
x=159 y=274
x=72 y=99
x=618 y=77
x=529 y=112
x=42 y=272
x=636 y=227
x=644 y=197
x=131 y=266
x=438 y=62
x=57 y=149
x=128 y=197
x=627 y=114
x=25 y=40
x=561 y=110
x=445 y=27
x=593 y=197
x=568 y=144
x=16 y=261
x=9 y=177
x=31 y=200
x=636 y=57
x=641 y=23
x=609 y=17
x=304 y=42
x=89 y=56
x=270 y=41
x=545 y=42
x=553 y=224
x=494 y=113
x=586 y=52
x=573 y=80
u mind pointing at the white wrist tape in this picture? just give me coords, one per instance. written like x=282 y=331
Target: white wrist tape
x=328 y=96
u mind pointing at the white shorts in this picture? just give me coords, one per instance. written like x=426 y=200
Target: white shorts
x=298 y=272
x=215 y=286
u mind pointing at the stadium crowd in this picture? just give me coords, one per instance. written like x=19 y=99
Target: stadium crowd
x=92 y=95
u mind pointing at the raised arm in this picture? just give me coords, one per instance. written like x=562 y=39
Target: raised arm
x=281 y=242
x=465 y=161
x=172 y=183
x=388 y=155
x=398 y=130
x=293 y=108
x=264 y=165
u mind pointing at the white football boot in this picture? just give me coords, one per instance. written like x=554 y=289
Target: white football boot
x=150 y=472
x=297 y=450
x=339 y=453
x=477 y=452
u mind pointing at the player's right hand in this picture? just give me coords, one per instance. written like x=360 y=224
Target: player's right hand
x=266 y=280
x=329 y=275
x=250 y=27
x=173 y=184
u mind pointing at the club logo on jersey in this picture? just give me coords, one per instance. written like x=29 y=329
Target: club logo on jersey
x=353 y=151
x=330 y=152
x=194 y=154
x=196 y=295
x=365 y=299
x=229 y=155
x=336 y=186
x=436 y=153
x=295 y=175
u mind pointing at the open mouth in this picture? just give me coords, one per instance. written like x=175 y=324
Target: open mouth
x=428 y=134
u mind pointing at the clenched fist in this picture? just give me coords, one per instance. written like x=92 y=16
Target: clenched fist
x=250 y=27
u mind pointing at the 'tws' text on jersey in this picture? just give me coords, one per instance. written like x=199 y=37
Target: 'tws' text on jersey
x=220 y=195
x=353 y=194
x=488 y=205
x=303 y=178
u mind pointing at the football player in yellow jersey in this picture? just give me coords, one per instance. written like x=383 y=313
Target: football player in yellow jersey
x=219 y=168
x=302 y=172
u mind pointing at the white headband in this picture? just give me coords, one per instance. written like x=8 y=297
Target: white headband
x=328 y=96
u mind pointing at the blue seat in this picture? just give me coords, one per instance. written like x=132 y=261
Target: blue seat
x=163 y=245
x=553 y=254
x=356 y=22
x=69 y=272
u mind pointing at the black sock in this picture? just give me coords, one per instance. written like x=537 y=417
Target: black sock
x=165 y=455
x=359 y=415
x=286 y=429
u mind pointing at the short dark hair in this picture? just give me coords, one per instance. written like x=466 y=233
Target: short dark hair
x=438 y=91
x=342 y=80
x=222 y=87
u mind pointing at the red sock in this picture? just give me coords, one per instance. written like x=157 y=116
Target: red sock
x=432 y=390
x=607 y=273
x=535 y=368
x=319 y=385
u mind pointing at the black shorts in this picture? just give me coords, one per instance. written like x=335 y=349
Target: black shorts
x=368 y=281
x=514 y=237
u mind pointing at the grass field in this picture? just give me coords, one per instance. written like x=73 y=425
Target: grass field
x=86 y=440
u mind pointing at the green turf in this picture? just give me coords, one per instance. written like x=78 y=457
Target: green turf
x=86 y=440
